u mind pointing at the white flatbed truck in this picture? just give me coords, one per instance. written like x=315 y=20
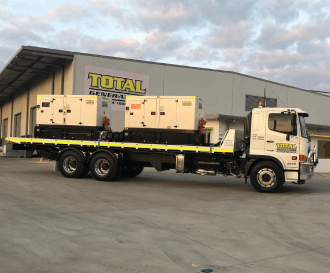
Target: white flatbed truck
x=273 y=149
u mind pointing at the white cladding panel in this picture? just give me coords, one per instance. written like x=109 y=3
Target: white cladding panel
x=49 y=109
x=73 y=110
x=164 y=112
x=150 y=110
x=168 y=113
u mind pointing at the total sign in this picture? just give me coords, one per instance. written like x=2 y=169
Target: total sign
x=115 y=85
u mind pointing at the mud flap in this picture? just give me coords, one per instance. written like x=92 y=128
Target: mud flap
x=56 y=167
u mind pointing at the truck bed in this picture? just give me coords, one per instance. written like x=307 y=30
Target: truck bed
x=119 y=145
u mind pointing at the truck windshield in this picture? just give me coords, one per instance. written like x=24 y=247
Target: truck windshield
x=303 y=127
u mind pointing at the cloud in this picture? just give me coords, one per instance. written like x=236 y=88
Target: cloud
x=286 y=11
x=17 y=37
x=38 y=23
x=74 y=40
x=265 y=59
x=6 y=51
x=156 y=45
x=202 y=54
x=174 y=15
x=71 y=11
x=146 y=16
x=284 y=40
x=233 y=35
x=231 y=67
x=275 y=37
x=309 y=78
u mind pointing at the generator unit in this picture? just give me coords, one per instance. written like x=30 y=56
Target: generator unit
x=164 y=119
x=75 y=117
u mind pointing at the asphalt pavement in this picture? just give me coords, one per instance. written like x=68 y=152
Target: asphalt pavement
x=158 y=222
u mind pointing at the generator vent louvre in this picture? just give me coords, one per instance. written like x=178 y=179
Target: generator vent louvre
x=253 y=102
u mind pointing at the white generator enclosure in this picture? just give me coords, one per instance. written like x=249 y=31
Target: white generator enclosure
x=164 y=112
x=74 y=110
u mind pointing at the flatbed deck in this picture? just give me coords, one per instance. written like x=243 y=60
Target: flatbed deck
x=120 y=145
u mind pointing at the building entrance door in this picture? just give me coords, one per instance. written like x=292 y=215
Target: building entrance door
x=4 y=130
x=33 y=120
x=17 y=125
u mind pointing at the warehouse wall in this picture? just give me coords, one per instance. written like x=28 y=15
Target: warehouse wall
x=20 y=106
x=155 y=72
x=68 y=77
x=167 y=80
x=316 y=137
x=213 y=126
x=316 y=105
x=214 y=87
x=43 y=85
x=223 y=92
x=6 y=114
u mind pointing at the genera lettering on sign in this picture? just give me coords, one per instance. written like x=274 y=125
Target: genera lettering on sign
x=286 y=148
x=115 y=85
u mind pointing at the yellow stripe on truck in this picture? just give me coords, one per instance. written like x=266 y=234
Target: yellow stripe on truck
x=122 y=145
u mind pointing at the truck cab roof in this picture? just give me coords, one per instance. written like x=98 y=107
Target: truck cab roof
x=277 y=109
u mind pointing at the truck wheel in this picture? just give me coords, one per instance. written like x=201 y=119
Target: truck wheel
x=71 y=164
x=132 y=169
x=267 y=177
x=103 y=167
x=85 y=171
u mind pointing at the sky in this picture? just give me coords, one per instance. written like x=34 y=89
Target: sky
x=286 y=41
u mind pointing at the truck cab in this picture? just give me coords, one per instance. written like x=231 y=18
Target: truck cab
x=279 y=135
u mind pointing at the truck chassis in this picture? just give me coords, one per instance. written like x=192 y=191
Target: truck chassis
x=107 y=161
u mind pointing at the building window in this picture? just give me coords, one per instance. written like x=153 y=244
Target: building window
x=323 y=149
x=253 y=102
x=17 y=125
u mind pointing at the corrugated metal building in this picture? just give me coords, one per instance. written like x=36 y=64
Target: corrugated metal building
x=228 y=96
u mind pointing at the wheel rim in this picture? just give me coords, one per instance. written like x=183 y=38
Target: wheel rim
x=102 y=167
x=266 y=178
x=70 y=164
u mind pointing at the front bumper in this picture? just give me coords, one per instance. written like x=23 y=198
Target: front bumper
x=307 y=169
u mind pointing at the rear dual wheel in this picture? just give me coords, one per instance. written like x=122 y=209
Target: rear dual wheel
x=72 y=165
x=104 y=167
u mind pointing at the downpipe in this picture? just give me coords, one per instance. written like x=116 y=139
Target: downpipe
x=236 y=175
x=205 y=172
x=212 y=172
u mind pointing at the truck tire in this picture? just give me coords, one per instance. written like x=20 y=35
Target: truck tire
x=85 y=170
x=103 y=167
x=267 y=176
x=132 y=169
x=72 y=165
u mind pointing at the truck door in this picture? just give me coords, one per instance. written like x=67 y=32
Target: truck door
x=280 y=139
x=45 y=112
x=136 y=114
x=150 y=111
x=72 y=112
x=57 y=105
x=168 y=113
